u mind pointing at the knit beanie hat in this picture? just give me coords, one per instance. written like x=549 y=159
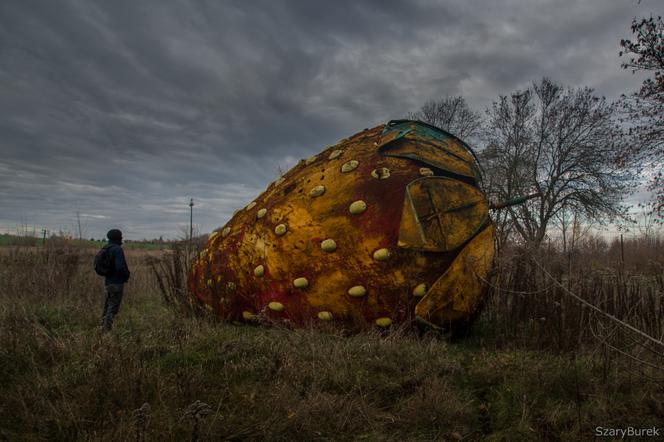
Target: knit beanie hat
x=114 y=235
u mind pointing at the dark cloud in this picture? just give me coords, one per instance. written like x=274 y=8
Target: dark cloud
x=123 y=110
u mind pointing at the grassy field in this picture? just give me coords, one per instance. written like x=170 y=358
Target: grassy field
x=532 y=367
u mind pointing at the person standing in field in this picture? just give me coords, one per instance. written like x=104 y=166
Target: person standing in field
x=116 y=274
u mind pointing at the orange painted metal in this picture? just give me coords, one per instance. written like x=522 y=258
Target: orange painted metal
x=383 y=226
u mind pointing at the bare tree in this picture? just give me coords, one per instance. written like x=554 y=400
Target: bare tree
x=558 y=142
x=644 y=109
x=80 y=226
x=451 y=114
x=563 y=220
x=493 y=180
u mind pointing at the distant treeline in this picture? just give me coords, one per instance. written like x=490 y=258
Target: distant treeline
x=16 y=240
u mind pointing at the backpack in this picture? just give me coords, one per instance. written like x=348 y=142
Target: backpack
x=103 y=263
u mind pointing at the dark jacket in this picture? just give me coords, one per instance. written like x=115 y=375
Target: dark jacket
x=120 y=272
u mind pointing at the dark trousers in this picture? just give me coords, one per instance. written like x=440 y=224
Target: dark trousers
x=111 y=305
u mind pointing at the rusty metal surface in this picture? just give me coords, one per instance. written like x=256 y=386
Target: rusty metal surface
x=440 y=214
x=361 y=233
x=430 y=146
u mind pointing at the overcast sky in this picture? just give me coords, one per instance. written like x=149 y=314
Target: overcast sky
x=123 y=110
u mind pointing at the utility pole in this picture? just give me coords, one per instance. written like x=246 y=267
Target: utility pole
x=80 y=230
x=44 y=232
x=191 y=220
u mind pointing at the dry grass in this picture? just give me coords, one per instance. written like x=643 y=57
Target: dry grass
x=164 y=374
x=530 y=303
